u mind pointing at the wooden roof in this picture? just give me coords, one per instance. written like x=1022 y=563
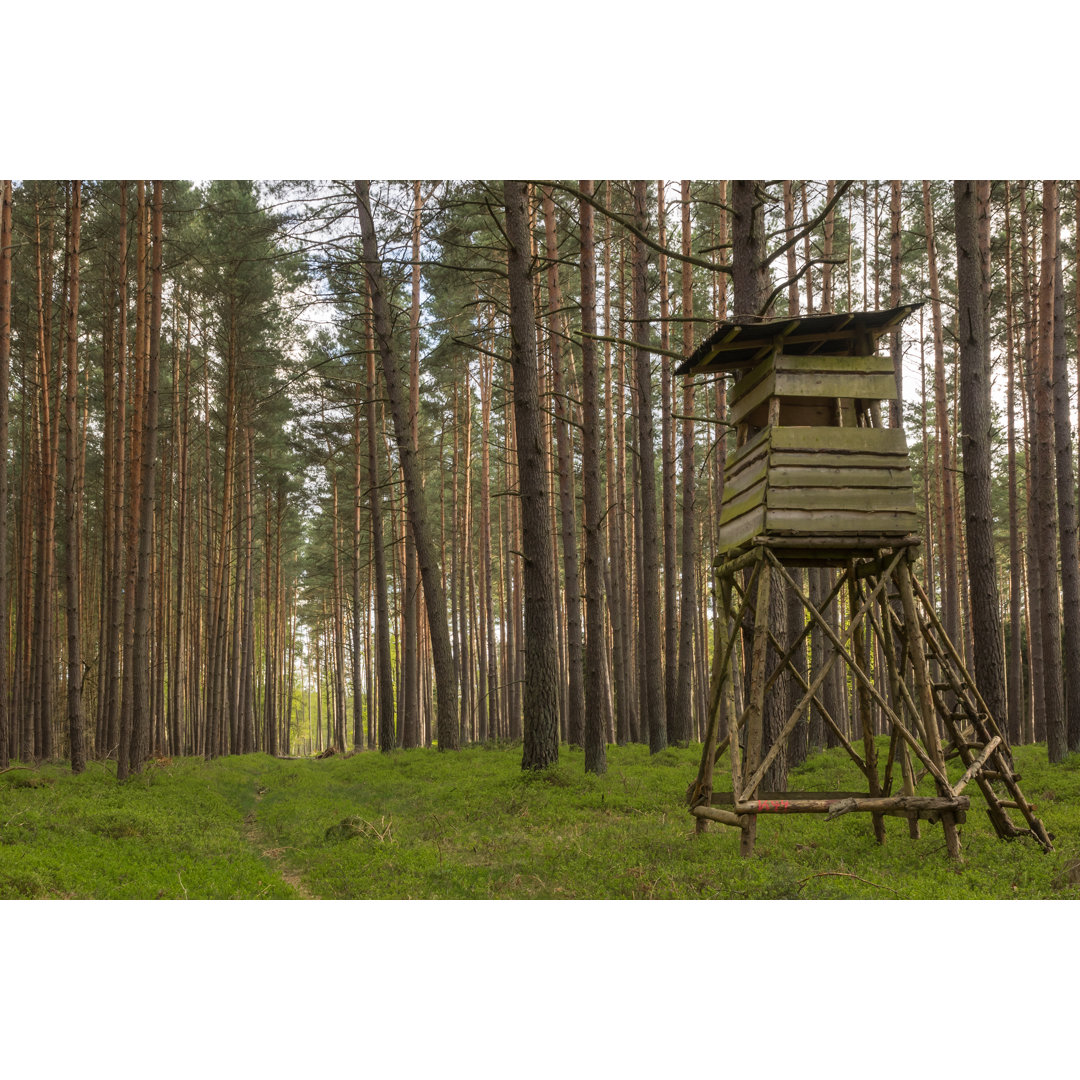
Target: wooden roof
x=734 y=346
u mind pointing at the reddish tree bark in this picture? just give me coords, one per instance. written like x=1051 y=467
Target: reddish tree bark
x=575 y=721
x=5 y=360
x=434 y=596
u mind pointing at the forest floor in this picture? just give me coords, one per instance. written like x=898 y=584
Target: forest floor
x=419 y=823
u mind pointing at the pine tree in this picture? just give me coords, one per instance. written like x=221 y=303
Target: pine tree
x=540 y=697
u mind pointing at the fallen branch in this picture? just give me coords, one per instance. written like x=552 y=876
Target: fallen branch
x=839 y=873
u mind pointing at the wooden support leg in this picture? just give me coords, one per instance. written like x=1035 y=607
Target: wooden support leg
x=727 y=695
x=925 y=698
x=861 y=653
x=756 y=704
x=716 y=682
x=894 y=666
x=721 y=685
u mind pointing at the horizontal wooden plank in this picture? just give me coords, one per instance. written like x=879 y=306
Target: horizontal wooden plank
x=744 y=479
x=748 y=381
x=898 y=500
x=841 y=440
x=743 y=502
x=825 y=547
x=877 y=365
x=828 y=522
x=735 y=464
x=740 y=530
x=724 y=817
x=752 y=399
x=836 y=807
x=727 y=798
x=781 y=475
x=811 y=384
x=752 y=445
x=821 y=459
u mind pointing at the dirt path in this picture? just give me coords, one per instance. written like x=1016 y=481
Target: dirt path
x=274 y=854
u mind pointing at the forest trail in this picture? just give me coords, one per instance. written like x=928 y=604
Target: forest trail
x=255 y=838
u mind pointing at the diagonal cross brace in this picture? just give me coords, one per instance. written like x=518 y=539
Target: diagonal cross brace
x=840 y=650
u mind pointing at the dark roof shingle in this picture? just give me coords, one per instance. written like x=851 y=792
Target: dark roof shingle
x=734 y=345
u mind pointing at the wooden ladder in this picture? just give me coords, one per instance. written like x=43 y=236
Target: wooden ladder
x=973 y=734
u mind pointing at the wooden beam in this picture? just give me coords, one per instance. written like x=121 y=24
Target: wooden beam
x=976 y=765
x=917 y=656
x=725 y=817
x=837 y=807
x=727 y=798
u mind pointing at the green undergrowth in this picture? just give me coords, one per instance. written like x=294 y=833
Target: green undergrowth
x=419 y=823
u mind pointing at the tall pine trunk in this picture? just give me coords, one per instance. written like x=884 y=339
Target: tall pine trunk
x=667 y=469
x=575 y=721
x=140 y=741
x=976 y=426
x=5 y=360
x=1066 y=507
x=679 y=723
x=541 y=691
x=1045 y=533
x=595 y=690
x=652 y=700
x=949 y=584
x=1015 y=669
x=750 y=283
x=434 y=597
x=72 y=496
x=384 y=673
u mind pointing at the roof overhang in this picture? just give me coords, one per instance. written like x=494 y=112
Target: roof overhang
x=734 y=346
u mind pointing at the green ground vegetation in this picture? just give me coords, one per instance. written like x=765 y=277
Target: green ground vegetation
x=473 y=825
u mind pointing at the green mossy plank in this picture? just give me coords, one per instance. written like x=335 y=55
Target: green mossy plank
x=841 y=440
x=827 y=522
x=751 y=379
x=745 y=502
x=753 y=398
x=749 y=447
x=745 y=478
x=736 y=463
x=897 y=500
x=737 y=531
x=786 y=476
x=819 y=459
x=866 y=365
x=836 y=385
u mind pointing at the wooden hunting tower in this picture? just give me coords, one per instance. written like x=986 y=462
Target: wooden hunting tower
x=816 y=480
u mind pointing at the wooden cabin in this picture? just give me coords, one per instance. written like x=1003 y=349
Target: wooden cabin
x=814 y=471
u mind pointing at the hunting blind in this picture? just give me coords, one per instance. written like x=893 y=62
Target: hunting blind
x=817 y=481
